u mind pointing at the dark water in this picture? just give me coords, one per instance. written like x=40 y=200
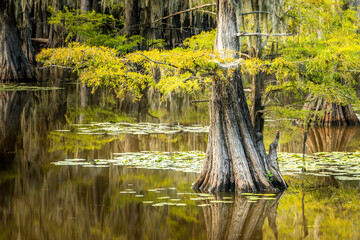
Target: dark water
x=41 y=201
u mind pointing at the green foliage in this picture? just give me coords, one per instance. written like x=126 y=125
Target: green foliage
x=98 y=66
x=324 y=55
x=97 y=29
x=180 y=68
x=269 y=176
x=205 y=40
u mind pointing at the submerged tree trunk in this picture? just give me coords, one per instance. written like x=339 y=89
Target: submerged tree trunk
x=235 y=156
x=14 y=66
x=334 y=114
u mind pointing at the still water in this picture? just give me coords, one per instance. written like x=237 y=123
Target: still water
x=42 y=201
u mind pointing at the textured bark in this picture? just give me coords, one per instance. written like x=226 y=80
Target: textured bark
x=335 y=114
x=85 y=5
x=14 y=66
x=241 y=220
x=131 y=17
x=235 y=157
x=256 y=104
x=175 y=29
x=26 y=30
x=56 y=37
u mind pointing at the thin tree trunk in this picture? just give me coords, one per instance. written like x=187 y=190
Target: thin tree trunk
x=14 y=66
x=235 y=156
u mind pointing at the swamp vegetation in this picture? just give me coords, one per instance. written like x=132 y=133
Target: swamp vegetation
x=156 y=119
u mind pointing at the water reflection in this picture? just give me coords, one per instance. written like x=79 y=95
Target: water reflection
x=330 y=139
x=41 y=201
x=88 y=203
x=242 y=220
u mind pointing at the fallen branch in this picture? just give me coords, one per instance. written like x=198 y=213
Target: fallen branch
x=184 y=11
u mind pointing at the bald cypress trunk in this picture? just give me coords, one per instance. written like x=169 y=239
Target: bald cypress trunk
x=131 y=17
x=14 y=66
x=334 y=114
x=235 y=157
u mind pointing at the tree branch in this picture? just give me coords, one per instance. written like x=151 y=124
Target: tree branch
x=58 y=66
x=208 y=12
x=200 y=101
x=184 y=11
x=254 y=12
x=40 y=40
x=164 y=63
x=244 y=34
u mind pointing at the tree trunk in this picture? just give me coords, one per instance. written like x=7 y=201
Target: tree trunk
x=26 y=29
x=56 y=36
x=131 y=17
x=14 y=66
x=85 y=5
x=235 y=156
x=335 y=114
x=256 y=104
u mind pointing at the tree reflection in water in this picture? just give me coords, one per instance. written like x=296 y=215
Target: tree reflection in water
x=242 y=220
x=330 y=139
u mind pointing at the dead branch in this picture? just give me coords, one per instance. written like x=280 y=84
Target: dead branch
x=244 y=34
x=208 y=12
x=40 y=40
x=184 y=11
x=254 y=12
x=200 y=101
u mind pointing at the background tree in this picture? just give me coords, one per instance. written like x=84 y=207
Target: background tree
x=321 y=60
x=14 y=64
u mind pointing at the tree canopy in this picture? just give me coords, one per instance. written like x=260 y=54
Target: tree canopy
x=320 y=57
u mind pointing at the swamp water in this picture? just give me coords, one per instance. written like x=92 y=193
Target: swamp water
x=74 y=166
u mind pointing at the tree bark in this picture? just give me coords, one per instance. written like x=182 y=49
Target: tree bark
x=131 y=17
x=56 y=36
x=26 y=30
x=235 y=156
x=335 y=114
x=14 y=66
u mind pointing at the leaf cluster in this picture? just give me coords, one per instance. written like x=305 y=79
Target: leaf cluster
x=324 y=57
x=97 y=29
